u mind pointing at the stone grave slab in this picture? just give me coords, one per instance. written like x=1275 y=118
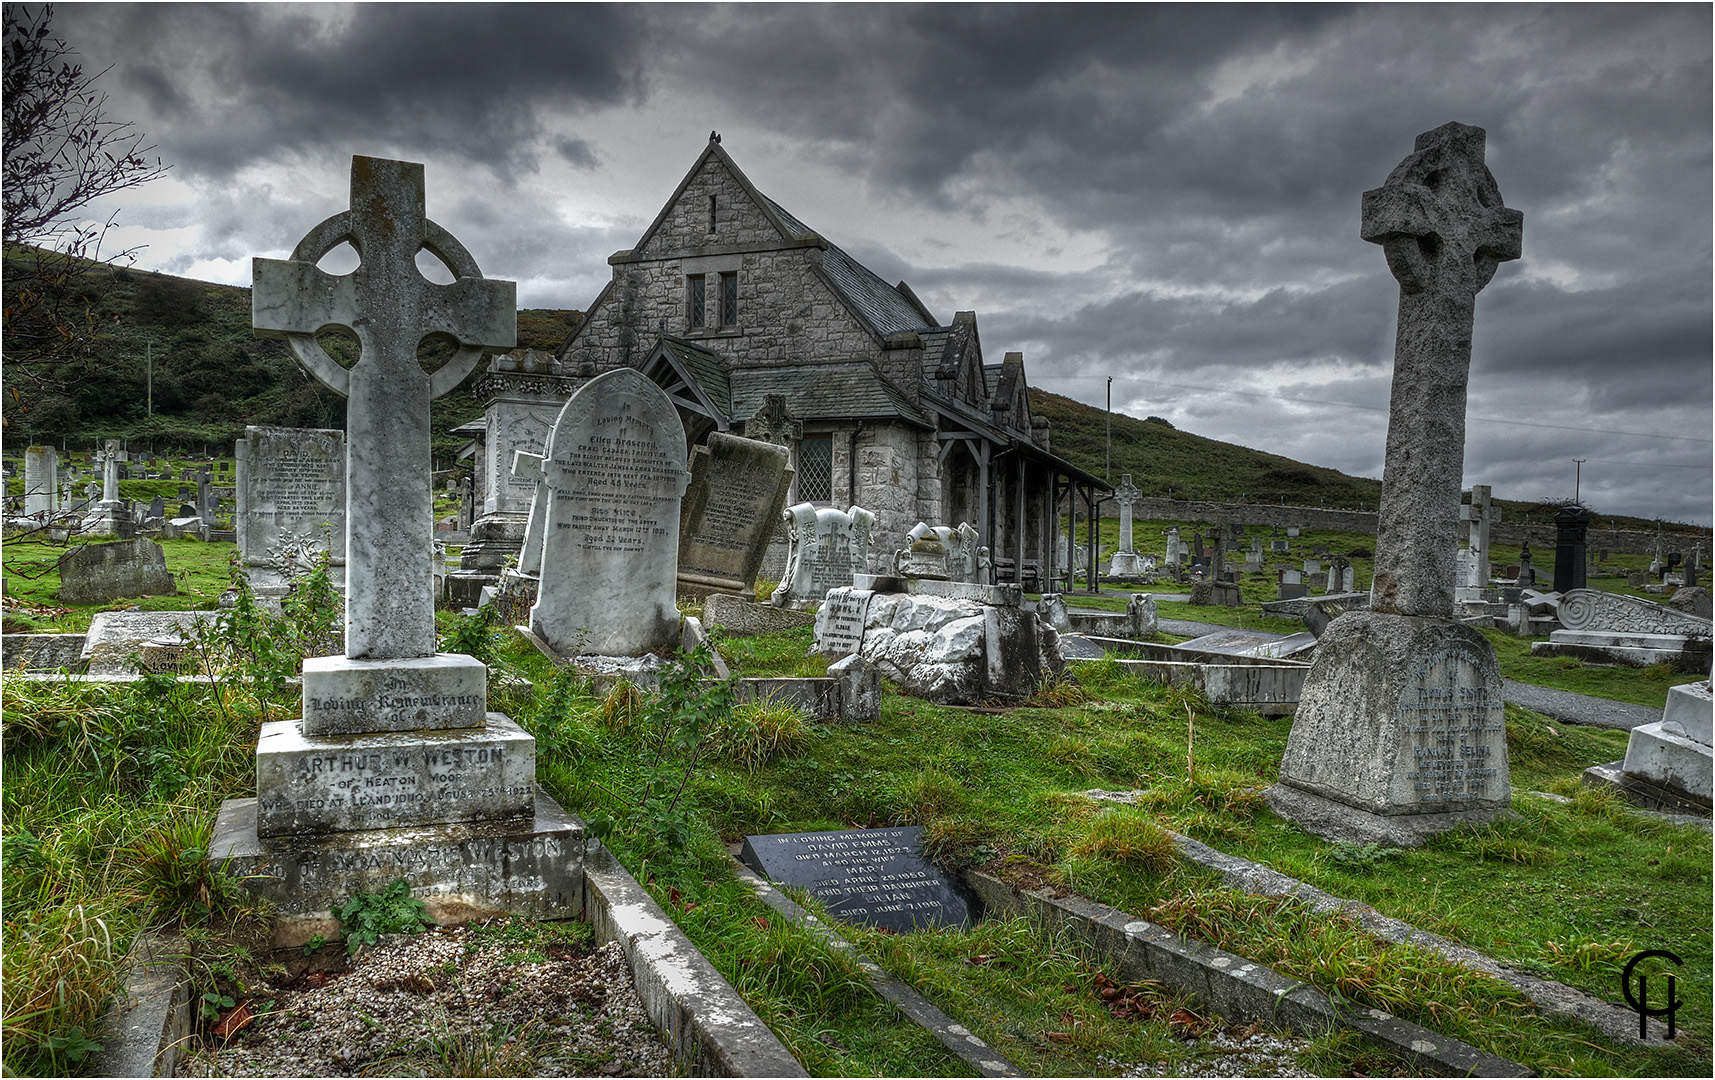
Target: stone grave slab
x=827 y=548
x=877 y=877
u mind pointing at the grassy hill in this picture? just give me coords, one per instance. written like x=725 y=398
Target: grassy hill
x=211 y=374
x=1164 y=461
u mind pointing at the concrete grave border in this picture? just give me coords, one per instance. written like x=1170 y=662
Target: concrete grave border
x=1239 y=990
x=706 y=1024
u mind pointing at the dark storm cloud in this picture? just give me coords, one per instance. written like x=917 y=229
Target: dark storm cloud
x=229 y=83
x=1212 y=158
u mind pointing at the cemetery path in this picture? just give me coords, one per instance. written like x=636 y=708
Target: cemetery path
x=1579 y=708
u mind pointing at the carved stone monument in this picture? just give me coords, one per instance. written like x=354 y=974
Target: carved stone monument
x=1400 y=732
x=615 y=474
x=1125 y=562
x=828 y=547
x=396 y=768
x=112 y=515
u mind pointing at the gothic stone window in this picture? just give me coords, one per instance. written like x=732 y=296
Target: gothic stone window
x=697 y=304
x=816 y=468
x=729 y=299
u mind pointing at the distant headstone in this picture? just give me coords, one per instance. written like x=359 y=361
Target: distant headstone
x=610 y=551
x=772 y=423
x=1280 y=547
x=1292 y=531
x=839 y=622
x=102 y=573
x=827 y=547
x=1175 y=547
x=291 y=503
x=41 y=480
x=876 y=877
x=732 y=504
x=1400 y=732
x=1571 y=525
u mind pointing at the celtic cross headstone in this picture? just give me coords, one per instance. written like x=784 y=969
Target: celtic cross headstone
x=1440 y=220
x=1400 y=732
x=391 y=309
x=396 y=769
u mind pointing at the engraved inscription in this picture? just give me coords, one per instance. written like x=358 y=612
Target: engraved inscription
x=615 y=486
x=1454 y=725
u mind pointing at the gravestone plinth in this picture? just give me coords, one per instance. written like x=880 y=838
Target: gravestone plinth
x=1571 y=526
x=876 y=877
x=1400 y=732
x=425 y=693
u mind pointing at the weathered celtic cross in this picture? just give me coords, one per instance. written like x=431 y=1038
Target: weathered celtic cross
x=1440 y=220
x=388 y=305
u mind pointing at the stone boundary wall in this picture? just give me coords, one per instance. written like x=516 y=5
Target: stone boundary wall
x=1625 y=541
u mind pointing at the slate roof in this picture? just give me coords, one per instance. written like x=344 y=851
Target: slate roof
x=821 y=391
x=884 y=306
x=706 y=368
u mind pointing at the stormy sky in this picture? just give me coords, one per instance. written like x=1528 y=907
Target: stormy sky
x=1167 y=195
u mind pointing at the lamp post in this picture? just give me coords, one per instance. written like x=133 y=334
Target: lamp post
x=1108 y=463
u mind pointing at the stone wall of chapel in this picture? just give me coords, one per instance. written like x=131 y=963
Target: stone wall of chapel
x=888 y=459
x=787 y=314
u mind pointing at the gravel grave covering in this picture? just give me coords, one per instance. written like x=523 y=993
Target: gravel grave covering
x=1230 y=1053
x=507 y=998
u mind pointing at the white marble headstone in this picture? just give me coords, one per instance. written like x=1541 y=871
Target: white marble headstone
x=615 y=470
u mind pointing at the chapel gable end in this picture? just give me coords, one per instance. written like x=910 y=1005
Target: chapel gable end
x=715 y=208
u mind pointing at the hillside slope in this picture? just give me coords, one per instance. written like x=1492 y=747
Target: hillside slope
x=1166 y=462
x=211 y=375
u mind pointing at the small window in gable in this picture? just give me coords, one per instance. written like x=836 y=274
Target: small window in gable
x=696 y=301
x=713 y=201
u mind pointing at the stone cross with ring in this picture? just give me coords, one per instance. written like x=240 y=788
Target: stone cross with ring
x=1440 y=220
x=391 y=309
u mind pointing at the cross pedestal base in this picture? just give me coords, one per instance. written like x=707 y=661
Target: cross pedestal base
x=343 y=783
x=529 y=865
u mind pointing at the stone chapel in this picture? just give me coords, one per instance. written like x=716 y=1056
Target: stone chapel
x=755 y=324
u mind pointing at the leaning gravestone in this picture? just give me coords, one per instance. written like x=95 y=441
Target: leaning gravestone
x=877 y=877
x=1400 y=733
x=828 y=548
x=615 y=469
x=396 y=768
x=732 y=505
x=291 y=504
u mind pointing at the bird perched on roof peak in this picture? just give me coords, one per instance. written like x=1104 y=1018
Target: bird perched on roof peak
x=714 y=136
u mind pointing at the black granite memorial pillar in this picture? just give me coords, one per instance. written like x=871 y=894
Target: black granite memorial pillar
x=1571 y=524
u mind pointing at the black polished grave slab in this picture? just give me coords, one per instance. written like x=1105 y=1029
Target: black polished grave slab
x=872 y=876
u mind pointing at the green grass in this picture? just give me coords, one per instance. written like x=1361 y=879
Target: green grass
x=1639 y=686
x=32 y=580
x=107 y=788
